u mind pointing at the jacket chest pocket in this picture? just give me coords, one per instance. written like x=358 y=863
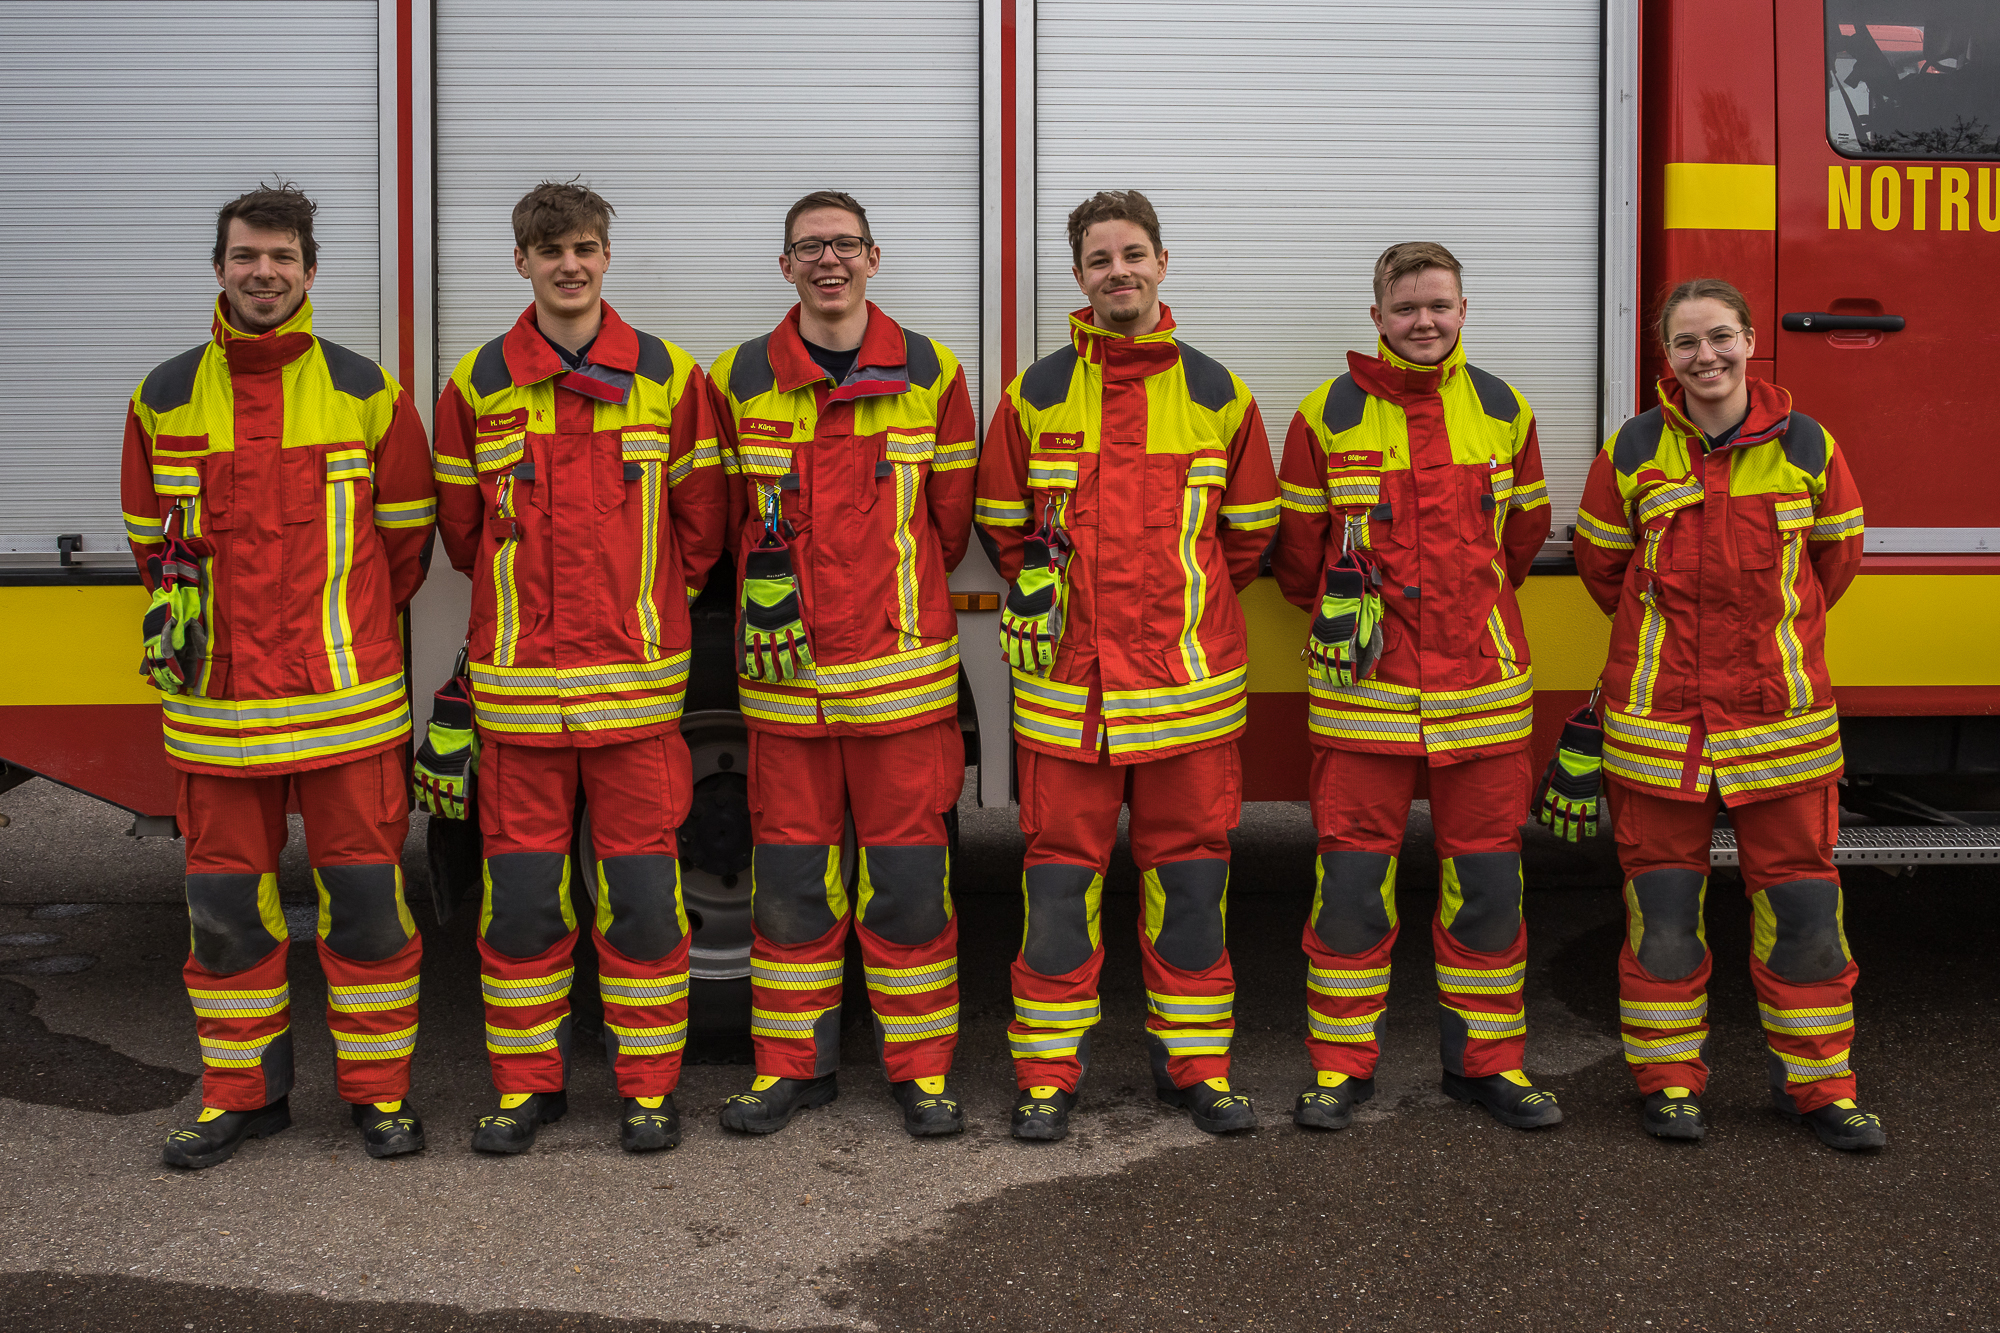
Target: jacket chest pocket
x=1392 y=515
x=1753 y=526
x=185 y=473
x=1067 y=477
x=1479 y=511
x=768 y=472
x=1164 y=486
x=307 y=472
x=905 y=453
x=630 y=462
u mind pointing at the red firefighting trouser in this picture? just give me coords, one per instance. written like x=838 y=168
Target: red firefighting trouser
x=1361 y=803
x=638 y=794
x=1182 y=810
x=898 y=787
x=1799 y=962
x=357 y=816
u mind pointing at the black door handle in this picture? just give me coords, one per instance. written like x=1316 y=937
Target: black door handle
x=1813 y=321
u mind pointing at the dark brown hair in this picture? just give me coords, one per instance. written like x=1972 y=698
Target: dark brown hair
x=1701 y=289
x=1112 y=206
x=280 y=207
x=1411 y=258
x=828 y=199
x=555 y=209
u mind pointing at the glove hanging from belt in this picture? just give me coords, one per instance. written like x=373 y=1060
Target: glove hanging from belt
x=1031 y=622
x=1568 y=804
x=772 y=630
x=174 y=636
x=441 y=777
x=1346 y=639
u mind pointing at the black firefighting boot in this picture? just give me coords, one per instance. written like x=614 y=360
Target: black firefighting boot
x=1673 y=1113
x=1042 y=1113
x=1330 y=1102
x=216 y=1135
x=1840 y=1124
x=1510 y=1098
x=1215 y=1109
x=772 y=1101
x=511 y=1129
x=929 y=1109
x=388 y=1129
x=650 y=1124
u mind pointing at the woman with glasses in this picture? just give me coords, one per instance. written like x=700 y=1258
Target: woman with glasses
x=1717 y=529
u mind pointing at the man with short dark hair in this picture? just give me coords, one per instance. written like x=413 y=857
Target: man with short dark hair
x=851 y=443
x=277 y=494
x=581 y=489
x=1413 y=508
x=1126 y=490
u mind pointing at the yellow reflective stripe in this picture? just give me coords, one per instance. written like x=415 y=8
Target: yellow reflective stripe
x=569 y=682
x=1347 y=981
x=1798 y=689
x=849 y=677
x=1804 y=1069
x=1301 y=499
x=143 y=529
x=1342 y=1027
x=649 y=443
x=1648 y=731
x=170 y=479
x=308 y=743
x=524 y=1041
x=905 y=477
x=1344 y=491
x=1000 y=513
x=336 y=626
x=1663 y=500
x=1647 y=769
x=1532 y=496
x=1490 y=1027
x=887 y=707
x=1369 y=694
x=649 y=555
x=1676 y=1049
x=406 y=514
x=1052 y=473
x=1837 y=527
x=375 y=1045
x=224 y=1053
x=498 y=451
x=952 y=457
x=1132 y=737
x=783 y=1023
x=770 y=705
x=1173 y=698
x=506 y=593
x=1059 y=1014
x=286 y=711
x=1251 y=517
x=911 y=980
x=1482 y=698
x=649 y=1041
x=1044 y=1045
x=517 y=992
x=1652 y=639
x=1349 y=725
x=348 y=465
x=1052 y=730
x=240 y=1003
x=796 y=976
x=1816 y=763
x=1191 y=1006
x=767 y=459
x=908 y=446
x=372 y=998
x=1664 y=1013
x=1725 y=746
x=1194 y=583
x=641 y=992
x=1793 y=512
x=1194 y=1041
x=454 y=471
x=1052 y=694
x=1481 y=981
x=1806 y=1022
x=918 y=1027
x=1489 y=730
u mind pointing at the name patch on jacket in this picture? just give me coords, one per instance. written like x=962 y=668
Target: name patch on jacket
x=777 y=430
x=1053 y=439
x=504 y=421
x=1355 y=458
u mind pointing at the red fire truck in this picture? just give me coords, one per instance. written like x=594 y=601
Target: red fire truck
x=1839 y=160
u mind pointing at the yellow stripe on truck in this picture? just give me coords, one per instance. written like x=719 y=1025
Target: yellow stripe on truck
x=1721 y=196
x=73 y=646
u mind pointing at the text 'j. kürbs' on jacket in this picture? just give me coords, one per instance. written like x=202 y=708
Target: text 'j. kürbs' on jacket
x=1437 y=472
x=870 y=482
x=1717 y=567
x=587 y=505
x=300 y=474
x=1150 y=460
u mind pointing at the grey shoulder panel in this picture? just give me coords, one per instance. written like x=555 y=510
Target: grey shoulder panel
x=1638 y=440
x=489 y=370
x=171 y=383
x=1046 y=383
x=656 y=363
x=1494 y=395
x=352 y=373
x=750 y=374
x=1805 y=444
x=1208 y=380
x=920 y=359
x=1345 y=402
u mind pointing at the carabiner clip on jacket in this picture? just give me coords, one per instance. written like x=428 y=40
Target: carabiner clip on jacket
x=771 y=630
x=1031 y=621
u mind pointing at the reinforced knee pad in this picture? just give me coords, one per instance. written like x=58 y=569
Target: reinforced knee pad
x=527 y=909
x=639 y=908
x=1798 y=930
x=1663 y=921
x=1185 y=902
x=1354 y=903
x=362 y=914
x=905 y=894
x=233 y=920
x=1482 y=899
x=796 y=894
x=1062 y=929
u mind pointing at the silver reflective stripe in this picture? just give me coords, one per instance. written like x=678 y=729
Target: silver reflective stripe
x=1057 y=1044
x=364 y=1044
x=529 y=992
x=928 y=979
x=1639 y=1013
x=1189 y=1007
x=639 y=1041
x=1499 y=1025
x=923 y=1025
x=1335 y=983
x=1183 y=1040
x=643 y=990
x=520 y=1036
x=1465 y=982
x=1355 y=1027
x=1032 y=1014
x=800 y=1024
x=806 y=975
x=1840 y=1018
x=1670 y=1049
x=209 y=1003
x=348 y=737
x=387 y=998
x=306 y=708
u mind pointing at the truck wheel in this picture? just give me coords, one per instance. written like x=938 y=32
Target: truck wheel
x=715 y=883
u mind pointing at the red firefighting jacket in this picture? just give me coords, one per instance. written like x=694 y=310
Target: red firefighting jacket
x=301 y=471
x=1152 y=457
x=872 y=480
x=1718 y=570
x=587 y=506
x=1437 y=471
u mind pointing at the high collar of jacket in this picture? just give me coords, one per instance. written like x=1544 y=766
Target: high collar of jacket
x=530 y=359
x=1126 y=358
x=1386 y=375
x=882 y=359
x=252 y=352
x=1770 y=412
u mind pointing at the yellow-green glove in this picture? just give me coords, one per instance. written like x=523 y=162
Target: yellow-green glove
x=1346 y=639
x=173 y=636
x=772 y=629
x=1031 y=622
x=441 y=777
x=1575 y=776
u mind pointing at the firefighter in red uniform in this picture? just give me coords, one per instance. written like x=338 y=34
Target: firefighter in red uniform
x=1126 y=490
x=581 y=489
x=1414 y=505
x=1717 y=529
x=277 y=493
x=850 y=443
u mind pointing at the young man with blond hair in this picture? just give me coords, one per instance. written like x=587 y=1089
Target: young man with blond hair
x=582 y=491
x=1413 y=508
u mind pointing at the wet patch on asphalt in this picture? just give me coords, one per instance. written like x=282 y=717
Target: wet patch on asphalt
x=75 y=1073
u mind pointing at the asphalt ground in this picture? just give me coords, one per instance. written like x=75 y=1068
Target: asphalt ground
x=1425 y=1215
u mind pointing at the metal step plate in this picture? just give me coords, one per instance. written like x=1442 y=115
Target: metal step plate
x=1874 y=845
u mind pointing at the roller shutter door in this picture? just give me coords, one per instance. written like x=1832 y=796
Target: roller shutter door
x=701 y=125
x=1286 y=145
x=120 y=147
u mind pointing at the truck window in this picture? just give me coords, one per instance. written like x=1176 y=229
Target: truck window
x=1913 y=78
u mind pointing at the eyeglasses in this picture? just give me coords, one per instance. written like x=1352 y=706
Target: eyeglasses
x=812 y=247
x=1722 y=340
